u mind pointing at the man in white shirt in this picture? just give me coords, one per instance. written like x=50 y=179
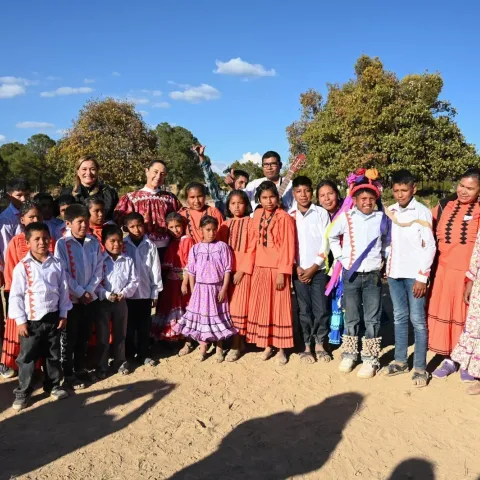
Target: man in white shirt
x=310 y=278
x=412 y=252
x=365 y=239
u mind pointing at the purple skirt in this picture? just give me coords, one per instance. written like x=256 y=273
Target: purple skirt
x=206 y=319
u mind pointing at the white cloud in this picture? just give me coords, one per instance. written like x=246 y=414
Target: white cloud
x=2 y=138
x=196 y=94
x=66 y=91
x=138 y=100
x=161 y=105
x=11 y=90
x=35 y=125
x=88 y=80
x=9 y=80
x=116 y=74
x=251 y=157
x=143 y=113
x=240 y=68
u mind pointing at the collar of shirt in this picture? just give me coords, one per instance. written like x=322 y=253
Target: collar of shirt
x=362 y=216
x=311 y=208
x=13 y=209
x=121 y=257
x=29 y=258
x=129 y=240
x=69 y=236
x=411 y=206
x=150 y=190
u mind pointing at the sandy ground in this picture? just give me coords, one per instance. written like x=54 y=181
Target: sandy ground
x=247 y=420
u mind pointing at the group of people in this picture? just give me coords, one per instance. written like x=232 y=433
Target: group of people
x=82 y=273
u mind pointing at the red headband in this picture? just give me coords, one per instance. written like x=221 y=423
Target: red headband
x=369 y=186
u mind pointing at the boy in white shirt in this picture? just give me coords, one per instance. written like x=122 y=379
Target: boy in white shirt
x=119 y=282
x=365 y=234
x=149 y=272
x=412 y=252
x=310 y=279
x=82 y=260
x=39 y=301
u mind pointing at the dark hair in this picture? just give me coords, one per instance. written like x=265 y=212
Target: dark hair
x=208 y=220
x=153 y=162
x=27 y=206
x=272 y=154
x=65 y=199
x=241 y=173
x=403 y=177
x=75 y=211
x=94 y=200
x=133 y=216
x=472 y=172
x=244 y=197
x=302 y=181
x=110 y=230
x=331 y=184
x=176 y=217
x=35 y=227
x=43 y=196
x=18 y=185
x=263 y=187
x=196 y=186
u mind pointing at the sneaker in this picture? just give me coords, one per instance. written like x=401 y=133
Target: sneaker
x=445 y=369
x=368 y=370
x=6 y=372
x=20 y=403
x=465 y=377
x=59 y=393
x=150 y=362
x=347 y=365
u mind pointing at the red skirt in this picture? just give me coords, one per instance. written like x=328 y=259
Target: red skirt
x=238 y=296
x=11 y=344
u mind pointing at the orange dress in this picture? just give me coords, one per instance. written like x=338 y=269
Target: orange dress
x=17 y=249
x=270 y=310
x=239 y=234
x=194 y=217
x=456 y=233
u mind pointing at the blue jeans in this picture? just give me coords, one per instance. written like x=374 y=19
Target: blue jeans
x=405 y=305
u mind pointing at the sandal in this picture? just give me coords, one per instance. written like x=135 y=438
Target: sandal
x=281 y=359
x=186 y=349
x=233 y=355
x=306 y=357
x=420 y=379
x=124 y=369
x=396 y=369
x=267 y=354
x=323 y=355
x=219 y=356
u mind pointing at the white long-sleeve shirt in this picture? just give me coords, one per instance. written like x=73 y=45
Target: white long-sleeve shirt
x=287 y=198
x=147 y=267
x=413 y=248
x=38 y=289
x=9 y=227
x=119 y=277
x=83 y=264
x=358 y=231
x=310 y=231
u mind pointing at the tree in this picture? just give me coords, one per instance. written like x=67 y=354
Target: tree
x=376 y=120
x=175 y=147
x=115 y=134
x=40 y=144
x=252 y=168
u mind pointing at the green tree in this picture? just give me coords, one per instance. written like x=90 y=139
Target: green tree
x=377 y=120
x=253 y=169
x=115 y=134
x=40 y=144
x=20 y=161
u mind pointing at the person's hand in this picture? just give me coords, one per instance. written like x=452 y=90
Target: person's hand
x=120 y=297
x=184 y=289
x=199 y=150
x=112 y=297
x=62 y=324
x=154 y=302
x=22 y=330
x=309 y=273
x=230 y=178
x=2 y=280
x=300 y=272
x=86 y=298
x=237 y=277
x=280 y=281
x=419 y=289
x=222 y=294
x=467 y=292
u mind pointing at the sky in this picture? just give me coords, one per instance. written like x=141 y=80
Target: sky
x=231 y=72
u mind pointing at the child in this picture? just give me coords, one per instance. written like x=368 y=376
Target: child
x=82 y=260
x=412 y=252
x=207 y=318
x=96 y=209
x=119 y=283
x=62 y=203
x=174 y=298
x=148 y=269
x=310 y=279
x=365 y=238
x=39 y=302
x=196 y=193
x=16 y=251
x=238 y=233
x=47 y=207
x=269 y=323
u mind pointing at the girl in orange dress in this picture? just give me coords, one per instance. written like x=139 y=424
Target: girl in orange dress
x=238 y=233
x=269 y=323
x=457 y=223
x=174 y=297
x=17 y=249
x=196 y=195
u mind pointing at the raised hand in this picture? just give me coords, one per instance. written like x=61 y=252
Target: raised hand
x=199 y=151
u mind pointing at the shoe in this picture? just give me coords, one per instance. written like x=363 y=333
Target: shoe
x=465 y=377
x=445 y=369
x=6 y=372
x=20 y=403
x=100 y=374
x=150 y=362
x=367 y=370
x=59 y=393
x=347 y=365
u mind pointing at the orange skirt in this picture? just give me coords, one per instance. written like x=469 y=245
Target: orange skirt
x=11 y=345
x=238 y=296
x=270 y=311
x=447 y=311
